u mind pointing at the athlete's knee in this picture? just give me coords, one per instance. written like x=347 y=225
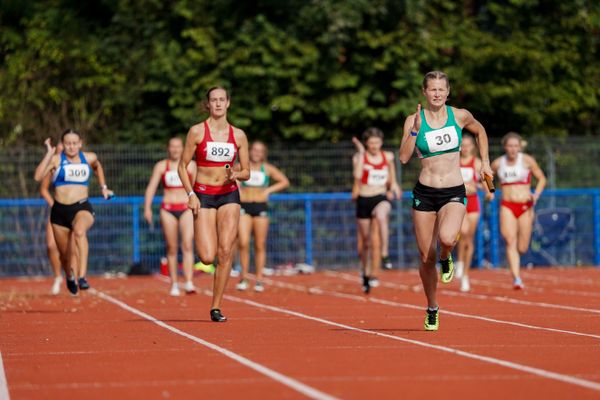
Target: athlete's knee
x=260 y=246
x=225 y=252
x=448 y=239
x=523 y=247
x=186 y=247
x=172 y=250
x=428 y=259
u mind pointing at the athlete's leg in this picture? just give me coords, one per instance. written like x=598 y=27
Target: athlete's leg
x=509 y=230
x=426 y=235
x=82 y=222
x=450 y=219
x=205 y=234
x=260 y=227
x=363 y=243
x=375 y=248
x=382 y=215
x=186 y=229
x=245 y=233
x=467 y=238
x=227 y=219
x=525 y=227
x=52 y=249
x=62 y=236
x=169 y=227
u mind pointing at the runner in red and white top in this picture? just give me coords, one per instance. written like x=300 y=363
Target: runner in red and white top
x=175 y=217
x=469 y=167
x=214 y=197
x=514 y=171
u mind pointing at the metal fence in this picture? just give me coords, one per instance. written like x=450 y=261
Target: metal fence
x=314 y=222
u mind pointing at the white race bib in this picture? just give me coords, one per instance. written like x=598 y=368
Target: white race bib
x=442 y=139
x=172 y=179
x=78 y=173
x=257 y=178
x=468 y=174
x=220 y=151
x=377 y=177
x=511 y=175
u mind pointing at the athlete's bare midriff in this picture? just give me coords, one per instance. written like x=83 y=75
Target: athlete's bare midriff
x=441 y=171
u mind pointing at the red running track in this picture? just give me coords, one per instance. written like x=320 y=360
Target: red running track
x=307 y=336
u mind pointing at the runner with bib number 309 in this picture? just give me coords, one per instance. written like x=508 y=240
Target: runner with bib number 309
x=439 y=197
x=214 y=197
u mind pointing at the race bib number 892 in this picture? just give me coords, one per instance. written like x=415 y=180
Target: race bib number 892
x=220 y=151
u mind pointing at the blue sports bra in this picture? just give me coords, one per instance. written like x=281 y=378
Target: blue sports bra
x=69 y=173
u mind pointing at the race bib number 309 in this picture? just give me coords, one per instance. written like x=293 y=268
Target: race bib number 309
x=76 y=172
x=220 y=151
x=442 y=139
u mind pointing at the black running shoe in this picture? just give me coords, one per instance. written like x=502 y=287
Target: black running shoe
x=83 y=284
x=366 y=285
x=216 y=316
x=72 y=286
x=386 y=263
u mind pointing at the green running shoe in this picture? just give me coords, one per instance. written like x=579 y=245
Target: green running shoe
x=447 y=270
x=432 y=320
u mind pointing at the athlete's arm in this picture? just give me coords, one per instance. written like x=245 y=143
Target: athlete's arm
x=411 y=124
x=151 y=190
x=539 y=176
x=357 y=159
x=392 y=182
x=472 y=125
x=193 y=137
x=99 y=171
x=192 y=170
x=278 y=176
x=244 y=173
x=46 y=164
x=45 y=190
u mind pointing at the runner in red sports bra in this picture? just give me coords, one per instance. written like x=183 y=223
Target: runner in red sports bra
x=469 y=165
x=374 y=187
x=214 y=197
x=514 y=171
x=175 y=217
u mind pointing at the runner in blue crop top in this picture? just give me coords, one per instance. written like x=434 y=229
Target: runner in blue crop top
x=72 y=214
x=439 y=196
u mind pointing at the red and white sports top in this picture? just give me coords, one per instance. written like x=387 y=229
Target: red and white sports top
x=468 y=171
x=517 y=174
x=216 y=154
x=375 y=174
x=170 y=178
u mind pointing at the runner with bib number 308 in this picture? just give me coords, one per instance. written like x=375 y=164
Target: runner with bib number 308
x=439 y=197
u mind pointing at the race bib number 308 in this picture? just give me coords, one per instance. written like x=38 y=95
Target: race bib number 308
x=220 y=151
x=76 y=172
x=442 y=139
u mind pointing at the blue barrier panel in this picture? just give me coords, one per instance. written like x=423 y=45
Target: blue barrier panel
x=317 y=228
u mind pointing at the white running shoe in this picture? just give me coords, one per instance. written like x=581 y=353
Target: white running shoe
x=374 y=282
x=189 y=287
x=258 y=287
x=56 y=285
x=465 y=286
x=175 y=290
x=459 y=268
x=242 y=285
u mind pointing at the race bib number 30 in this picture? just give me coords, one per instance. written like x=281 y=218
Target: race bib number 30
x=76 y=172
x=442 y=139
x=172 y=179
x=377 y=177
x=220 y=151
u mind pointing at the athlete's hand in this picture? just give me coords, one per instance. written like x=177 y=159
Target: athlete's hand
x=489 y=196
x=417 y=122
x=486 y=170
x=358 y=144
x=49 y=148
x=534 y=198
x=194 y=204
x=107 y=193
x=395 y=193
x=229 y=173
x=148 y=217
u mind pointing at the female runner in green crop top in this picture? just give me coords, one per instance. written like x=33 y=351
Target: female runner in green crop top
x=254 y=218
x=439 y=196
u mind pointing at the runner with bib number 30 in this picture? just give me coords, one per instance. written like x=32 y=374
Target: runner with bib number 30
x=439 y=197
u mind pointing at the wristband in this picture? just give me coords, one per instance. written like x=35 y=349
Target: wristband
x=104 y=187
x=190 y=193
x=413 y=133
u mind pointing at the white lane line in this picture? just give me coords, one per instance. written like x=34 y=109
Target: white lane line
x=319 y=291
x=3 y=382
x=548 y=276
x=490 y=360
x=353 y=278
x=298 y=386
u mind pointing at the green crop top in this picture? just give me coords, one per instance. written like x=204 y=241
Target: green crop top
x=257 y=178
x=433 y=142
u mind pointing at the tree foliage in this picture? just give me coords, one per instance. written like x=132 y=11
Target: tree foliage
x=137 y=71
